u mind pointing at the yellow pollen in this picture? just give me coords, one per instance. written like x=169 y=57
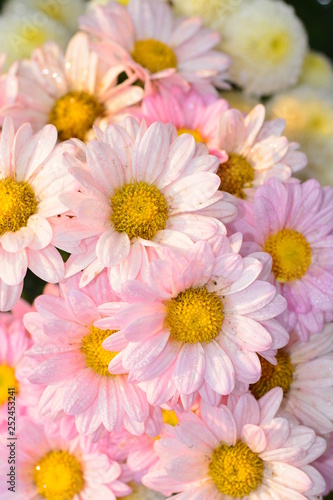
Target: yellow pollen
x=291 y=254
x=74 y=114
x=236 y=470
x=235 y=174
x=139 y=210
x=170 y=417
x=7 y=381
x=280 y=375
x=123 y=2
x=194 y=133
x=154 y=55
x=18 y=203
x=97 y=357
x=58 y=476
x=195 y=315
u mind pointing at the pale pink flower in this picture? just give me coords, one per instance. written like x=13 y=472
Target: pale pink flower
x=162 y=50
x=190 y=112
x=53 y=467
x=141 y=189
x=239 y=451
x=73 y=91
x=194 y=324
x=325 y=466
x=8 y=87
x=74 y=366
x=293 y=222
x=257 y=151
x=31 y=177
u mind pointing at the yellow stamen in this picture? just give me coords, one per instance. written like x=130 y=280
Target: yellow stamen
x=139 y=209
x=170 y=417
x=194 y=133
x=17 y=203
x=7 y=381
x=154 y=55
x=235 y=174
x=195 y=315
x=272 y=376
x=74 y=114
x=291 y=254
x=275 y=49
x=58 y=476
x=97 y=357
x=236 y=470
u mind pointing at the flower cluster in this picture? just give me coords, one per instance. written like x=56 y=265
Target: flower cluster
x=183 y=342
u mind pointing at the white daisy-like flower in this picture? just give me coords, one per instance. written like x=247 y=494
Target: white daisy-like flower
x=267 y=44
x=309 y=116
x=211 y=11
x=317 y=71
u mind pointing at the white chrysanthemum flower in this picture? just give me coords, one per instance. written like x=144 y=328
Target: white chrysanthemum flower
x=267 y=43
x=239 y=100
x=317 y=71
x=19 y=35
x=309 y=116
x=93 y=3
x=209 y=10
x=64 y=12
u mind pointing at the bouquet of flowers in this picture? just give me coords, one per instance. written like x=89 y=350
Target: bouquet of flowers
x=181 y=341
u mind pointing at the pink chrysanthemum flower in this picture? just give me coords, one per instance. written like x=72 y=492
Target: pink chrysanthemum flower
x=304 y=371
x=31 y=177
x=73 y=91
x=74 y=366
x=162 y=50
x=142 y=189
x=325 y=466
x=240 y=452
x=256 y=151
x=190 y=112
x=56 y=468
x=8 y=87
x=196 y=324
x=293 y=222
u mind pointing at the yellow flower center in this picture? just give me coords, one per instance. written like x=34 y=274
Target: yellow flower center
x=7 y=381
x=291 y=254
x=123 y=2
x=154 y=55
x=194 y=133
x=17 y=203
x=235 y=174
x=58 y=476
x=280 y=375
x=275 y=49
x=170 y=417
x=97 y=357
x=195 y=315
x=74 y=114
x=139 y=209
x=236 y=470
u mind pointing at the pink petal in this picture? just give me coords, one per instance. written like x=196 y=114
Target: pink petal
x=81 y=392
x=9 y=295
x=42 y=232
x=112 y=248
x=190 y=367
x=47 y=264
x=219 y=372
x=13 y=266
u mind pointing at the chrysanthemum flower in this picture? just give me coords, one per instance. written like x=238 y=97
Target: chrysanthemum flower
x=267 y=44
x=191 y=113
x=140 y=492
x=256 y=151
x=325 y=466
x=304 y=371
x=146 y=38
x=309 y=116
x=31 y=177
x=195 y=324
x=240 y=452
x=72 y=91
x=239 y=100
x=140 y=189
x=293 y=223
x=213 y=12
x=74 y=365
x=317 y=71
x=56 y=468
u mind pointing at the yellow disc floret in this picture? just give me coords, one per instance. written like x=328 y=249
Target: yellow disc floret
x=236 y=470
x=235 y=174
x=291 y=254
x=139 y=209
x=170 y=417
x=97 y=357
x=58 y=476
x=154 y=55
x=74 y=114
x=195 y=315
x=17 y=203
x=7 y=381
x=280 y=375
x=194 y=133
